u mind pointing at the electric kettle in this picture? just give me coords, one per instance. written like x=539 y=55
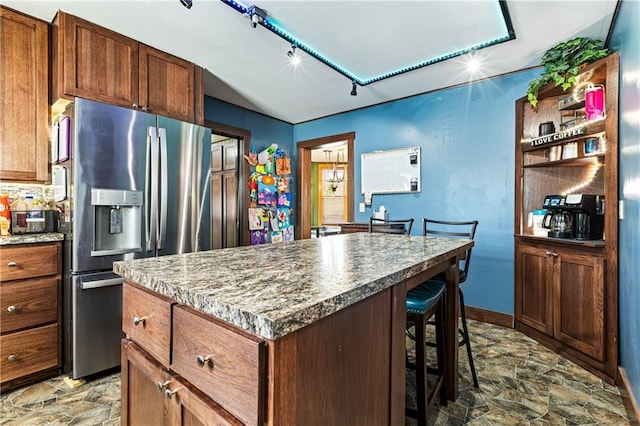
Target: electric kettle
x=559 y=223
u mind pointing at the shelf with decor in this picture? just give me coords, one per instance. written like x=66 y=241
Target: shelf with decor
x=567 y=148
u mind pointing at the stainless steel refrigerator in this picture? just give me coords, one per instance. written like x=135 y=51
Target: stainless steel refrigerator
x=135 y=185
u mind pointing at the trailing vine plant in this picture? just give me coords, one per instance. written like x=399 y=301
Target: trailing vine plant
x=562 y=63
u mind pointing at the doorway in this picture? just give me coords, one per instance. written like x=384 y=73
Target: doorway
x=229 y=174
x=305 y=180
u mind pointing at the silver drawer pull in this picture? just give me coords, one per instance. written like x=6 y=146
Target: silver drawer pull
x=11 y=308
x=551 y=253
x=138 y=320
x=203 y=360
x=12 y=357
x=12 y=264
x=162 y=385
x=169 y=393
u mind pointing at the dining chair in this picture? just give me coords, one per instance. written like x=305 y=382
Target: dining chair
x=456 y=229
x=390 y=226
x=423 y=303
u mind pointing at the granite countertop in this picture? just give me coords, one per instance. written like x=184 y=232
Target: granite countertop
x=31 y=238
x=272 y=290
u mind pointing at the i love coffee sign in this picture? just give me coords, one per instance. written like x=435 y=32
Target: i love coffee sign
x=555 y=137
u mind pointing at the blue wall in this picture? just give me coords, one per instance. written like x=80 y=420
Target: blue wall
x=626 y=40
x=264 y=130
x=468 y=153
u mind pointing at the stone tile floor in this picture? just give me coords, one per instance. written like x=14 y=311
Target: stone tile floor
x=521 y=383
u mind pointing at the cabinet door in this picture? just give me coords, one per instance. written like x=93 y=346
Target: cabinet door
x=188 y=406
x=143 y=383
x=579 y=302
x=166 y=84
x=24 y=122
x=97 y=63
x=534 y=295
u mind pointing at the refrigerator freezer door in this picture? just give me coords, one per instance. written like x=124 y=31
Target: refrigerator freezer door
x=97 y=322
x=184 y=180
x=108 y=152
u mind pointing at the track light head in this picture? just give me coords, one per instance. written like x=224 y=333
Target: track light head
x=295 y=59
x=354 y=89
x=187 y=3
x=256 y=15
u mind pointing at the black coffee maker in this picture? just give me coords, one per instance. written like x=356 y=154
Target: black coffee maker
x=588 y=215
x=558 y=219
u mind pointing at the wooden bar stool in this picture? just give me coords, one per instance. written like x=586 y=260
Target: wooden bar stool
x=423 y=302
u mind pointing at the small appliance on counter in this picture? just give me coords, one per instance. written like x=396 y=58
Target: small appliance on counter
x=558 y=220
x=588 y=215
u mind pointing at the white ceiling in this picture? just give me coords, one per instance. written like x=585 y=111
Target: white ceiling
x=249 y=67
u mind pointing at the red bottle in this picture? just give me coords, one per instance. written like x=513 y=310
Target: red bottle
x=5 y=215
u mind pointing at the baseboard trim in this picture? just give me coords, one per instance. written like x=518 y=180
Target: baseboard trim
x=491 y=317
x=630 y=403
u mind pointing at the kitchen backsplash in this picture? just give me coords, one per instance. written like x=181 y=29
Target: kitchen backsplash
x=38 y=192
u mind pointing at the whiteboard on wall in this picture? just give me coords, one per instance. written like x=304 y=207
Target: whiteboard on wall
x=395 y=170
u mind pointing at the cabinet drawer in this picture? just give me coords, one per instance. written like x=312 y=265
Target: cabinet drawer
x=26 y=352
x=28 y=303
x=233 y=373
x=146 y=319
x=28 y=261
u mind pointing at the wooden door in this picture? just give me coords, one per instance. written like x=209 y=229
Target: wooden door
x=24 y=121
x=143 y=384
x=166 y=84
x=96 y=63
x=534 y=289
x=225 y=226
x=579 y=302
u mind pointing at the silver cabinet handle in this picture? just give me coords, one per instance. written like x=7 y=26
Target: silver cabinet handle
x=162 y=385
x=12 y=357
x=202 y=360
x=12 y=264
x=144 y=108
x=169 y=393
x=11 y=308
x=551 y=253
x=135 y=106
x=138 y=320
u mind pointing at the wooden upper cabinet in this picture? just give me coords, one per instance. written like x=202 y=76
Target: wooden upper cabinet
x=166 y=84
x=24 y=120
x=95 y=63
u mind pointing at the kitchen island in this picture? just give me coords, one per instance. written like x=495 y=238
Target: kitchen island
x=308 y=332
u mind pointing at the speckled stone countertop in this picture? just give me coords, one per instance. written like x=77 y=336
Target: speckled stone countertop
x=272 y=290
x=31 y=238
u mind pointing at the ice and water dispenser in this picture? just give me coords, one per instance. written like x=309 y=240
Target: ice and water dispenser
x=117 y=218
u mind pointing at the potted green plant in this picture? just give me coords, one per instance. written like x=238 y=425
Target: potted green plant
x=562 y=63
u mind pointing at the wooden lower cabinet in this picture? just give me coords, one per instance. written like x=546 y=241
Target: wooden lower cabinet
x=334 y=371
x=151 y=394
x=562 y=301
x=30 y=313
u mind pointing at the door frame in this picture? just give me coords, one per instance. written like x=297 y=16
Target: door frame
x=244 y=141
x=303 y=172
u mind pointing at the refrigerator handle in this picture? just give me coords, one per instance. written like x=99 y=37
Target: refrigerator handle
x=151 y=188
x=164 y=173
